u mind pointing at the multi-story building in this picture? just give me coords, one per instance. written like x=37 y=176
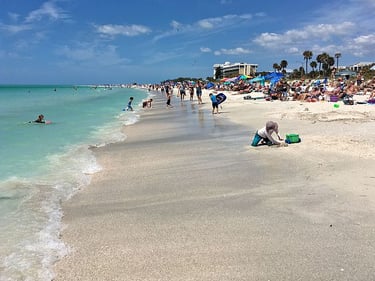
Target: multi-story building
x=234 y=69
x=358 y=66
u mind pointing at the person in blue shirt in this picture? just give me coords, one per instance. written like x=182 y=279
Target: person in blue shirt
x=215 y=104
x=130 y=104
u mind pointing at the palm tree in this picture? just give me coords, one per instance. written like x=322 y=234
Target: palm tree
x=319 y=59
x=328 y=61
x=307 y=55
x=313 y=65
x=283 y=64
x=322 y=59
x=337 y=56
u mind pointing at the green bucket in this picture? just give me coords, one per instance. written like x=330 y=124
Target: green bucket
x=292 y=138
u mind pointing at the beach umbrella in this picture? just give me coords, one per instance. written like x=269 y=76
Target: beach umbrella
x=273 y=75
x=210 y=85
x=223 y=79
x=259 y=79
x=234 y=79
x=274 y=80
x=243 y=77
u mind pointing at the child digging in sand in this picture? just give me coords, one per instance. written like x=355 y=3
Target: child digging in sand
x=264 y=135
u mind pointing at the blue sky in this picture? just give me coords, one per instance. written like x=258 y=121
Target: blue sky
x=147 y=41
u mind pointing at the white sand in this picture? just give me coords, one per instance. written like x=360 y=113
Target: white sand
x=186 y=198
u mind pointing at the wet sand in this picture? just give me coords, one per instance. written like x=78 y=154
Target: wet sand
x=186 y=198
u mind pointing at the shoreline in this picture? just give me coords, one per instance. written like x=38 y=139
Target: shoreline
x=185 y=197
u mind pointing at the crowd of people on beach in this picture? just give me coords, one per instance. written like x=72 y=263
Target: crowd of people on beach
x=308 y=90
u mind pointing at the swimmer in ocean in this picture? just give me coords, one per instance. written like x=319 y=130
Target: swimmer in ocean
x=40 y=119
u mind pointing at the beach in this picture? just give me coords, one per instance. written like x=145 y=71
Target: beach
x=185 y=196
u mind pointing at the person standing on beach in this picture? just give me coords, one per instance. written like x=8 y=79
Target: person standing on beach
x=265 y=135
x=191 y=91
x=198 y=92
x=130 y=104
x=215 y=104
x=168 y=95
x=182 y=92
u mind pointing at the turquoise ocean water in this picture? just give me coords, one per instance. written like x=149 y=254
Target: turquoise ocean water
x=44 y=164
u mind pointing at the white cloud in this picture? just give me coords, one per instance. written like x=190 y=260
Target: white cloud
x=261 y=14
x=227 y=20
x=205 y=50
x=365 y=40
x=362 y=45
x=236 y=51
x=15 y=28
x=175 y=24
x=307 y=34
x=350 y=31
x=293 y=50
x=127 y=30
x=268 y=39
x=49 y=10
x=206 y=25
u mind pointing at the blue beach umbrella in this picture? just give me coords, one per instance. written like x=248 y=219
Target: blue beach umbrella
x=273 y=75
x=259 y=79
x=275 y=80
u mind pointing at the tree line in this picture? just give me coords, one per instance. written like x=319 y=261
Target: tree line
x=321 y=66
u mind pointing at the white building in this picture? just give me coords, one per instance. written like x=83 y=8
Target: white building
x=234 y=69
x=358 y=66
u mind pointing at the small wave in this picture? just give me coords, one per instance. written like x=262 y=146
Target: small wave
x=130 y=120
x=33 y=220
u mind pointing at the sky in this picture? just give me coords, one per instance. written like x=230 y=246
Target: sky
x=148 y=41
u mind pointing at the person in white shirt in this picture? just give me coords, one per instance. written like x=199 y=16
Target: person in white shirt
x=264 y=135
